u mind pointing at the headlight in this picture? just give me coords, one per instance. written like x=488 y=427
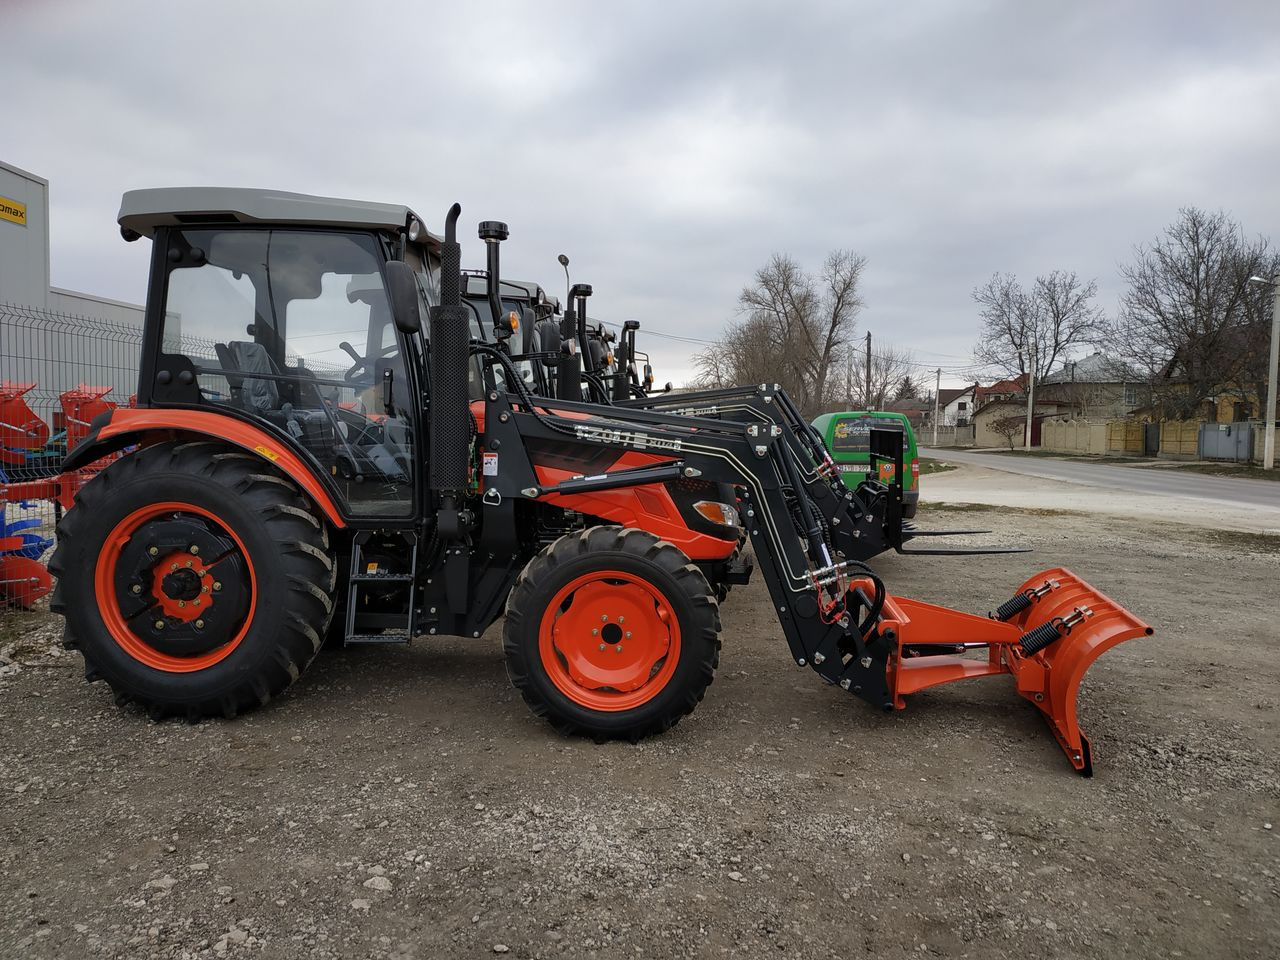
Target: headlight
x=722 y=513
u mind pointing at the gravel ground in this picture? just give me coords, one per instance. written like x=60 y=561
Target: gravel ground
x=402 y=803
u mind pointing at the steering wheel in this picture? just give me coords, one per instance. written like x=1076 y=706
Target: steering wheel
x=362 y=367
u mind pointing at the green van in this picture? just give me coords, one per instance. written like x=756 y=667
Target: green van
x=847 y=436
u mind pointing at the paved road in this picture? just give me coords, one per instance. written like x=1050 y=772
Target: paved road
x=1168 y=482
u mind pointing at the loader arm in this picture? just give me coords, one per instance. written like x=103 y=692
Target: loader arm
x=811 y=537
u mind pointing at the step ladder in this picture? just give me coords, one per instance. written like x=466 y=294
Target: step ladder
x=366 y=626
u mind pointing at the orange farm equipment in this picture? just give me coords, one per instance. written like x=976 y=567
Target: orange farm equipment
x=280 y=486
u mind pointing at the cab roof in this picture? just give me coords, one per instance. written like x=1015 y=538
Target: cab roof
x=143 y=210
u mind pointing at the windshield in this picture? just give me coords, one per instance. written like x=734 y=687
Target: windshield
x=294 y=328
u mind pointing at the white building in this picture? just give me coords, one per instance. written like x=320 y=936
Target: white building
x=55 y=338
x=955 y=406
x=24 y=254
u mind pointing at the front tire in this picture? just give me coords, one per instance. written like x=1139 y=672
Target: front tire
x=611 y=633
x=194 y=578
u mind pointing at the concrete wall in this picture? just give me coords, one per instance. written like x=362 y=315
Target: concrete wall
x=1125 y=437
x=1062 y=435
x=1180 y=438
x=24 y=238
x=948 y=436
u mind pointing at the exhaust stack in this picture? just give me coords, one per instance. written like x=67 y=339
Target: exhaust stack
x=450 y=352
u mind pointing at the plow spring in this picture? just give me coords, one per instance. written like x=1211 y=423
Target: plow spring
x=1046 y=637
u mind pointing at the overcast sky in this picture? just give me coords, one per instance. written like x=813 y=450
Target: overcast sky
x=668 y=149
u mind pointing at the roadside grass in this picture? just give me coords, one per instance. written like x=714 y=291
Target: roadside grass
x=1268 y=543
x=948 y=507
x=929 y=465
x=1079 y=457
x=1228 y=470
x=1257 y=542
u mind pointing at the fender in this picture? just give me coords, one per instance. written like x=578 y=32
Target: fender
x=116 y=429
x=648 y=507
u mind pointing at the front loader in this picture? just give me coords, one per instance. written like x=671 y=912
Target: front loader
x=271 y=475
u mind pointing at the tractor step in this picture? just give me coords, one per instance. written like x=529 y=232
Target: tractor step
x=397 y=622
x=390 y=636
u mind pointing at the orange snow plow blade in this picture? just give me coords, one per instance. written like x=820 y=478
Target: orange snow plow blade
x=1046 y=637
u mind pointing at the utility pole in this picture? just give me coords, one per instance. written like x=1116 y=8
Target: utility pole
x=1031 y=395
x=1273 y=372
x=1269 y=433
x=868 y=381
x=937 y=386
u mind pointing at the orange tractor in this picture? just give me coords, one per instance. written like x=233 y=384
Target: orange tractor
x=283 y=486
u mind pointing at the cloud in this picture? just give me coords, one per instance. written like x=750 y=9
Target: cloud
x=670 y=149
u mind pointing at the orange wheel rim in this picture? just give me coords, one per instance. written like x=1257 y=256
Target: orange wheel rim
x=609 y=640
x=179 y=588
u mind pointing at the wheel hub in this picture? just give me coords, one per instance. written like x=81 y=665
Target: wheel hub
x=181 y=584
x=611 y=639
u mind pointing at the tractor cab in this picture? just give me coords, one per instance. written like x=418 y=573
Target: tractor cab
x=527 y=316
x=274 y=310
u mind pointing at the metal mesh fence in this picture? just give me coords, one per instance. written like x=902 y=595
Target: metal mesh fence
x=57 y=371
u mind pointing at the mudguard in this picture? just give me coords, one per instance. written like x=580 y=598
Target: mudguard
x=116 y=429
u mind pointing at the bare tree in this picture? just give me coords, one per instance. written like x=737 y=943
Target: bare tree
x=795 y=329
x=1032 y=330
x=1010 y=427
x=1191 y=325
x=890 y=366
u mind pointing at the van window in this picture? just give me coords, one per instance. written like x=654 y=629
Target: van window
x=853 y=434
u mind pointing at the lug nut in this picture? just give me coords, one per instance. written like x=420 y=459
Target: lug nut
x=622 y=619
x=602 y=647
x=618 y=648
x=182 y=603
x=173 y=566
x=188 y=563
x=204 y=589
x=195 y=602
x=604 y=618
x=595 y=631
x=628 y=634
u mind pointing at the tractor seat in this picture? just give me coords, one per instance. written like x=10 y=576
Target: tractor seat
x=260 y=395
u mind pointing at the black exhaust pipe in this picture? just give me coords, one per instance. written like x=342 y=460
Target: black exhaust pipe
x=579 y=294
x=493 y=232
x=449 y=421
x=570 y=385
x=623 y=356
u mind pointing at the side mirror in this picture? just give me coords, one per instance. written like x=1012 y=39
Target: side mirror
x=402 y=288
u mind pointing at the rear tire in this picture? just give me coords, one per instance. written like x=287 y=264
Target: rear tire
x=184 y=630
x=611 y=633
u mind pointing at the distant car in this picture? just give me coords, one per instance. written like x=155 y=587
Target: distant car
x=847 y=435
